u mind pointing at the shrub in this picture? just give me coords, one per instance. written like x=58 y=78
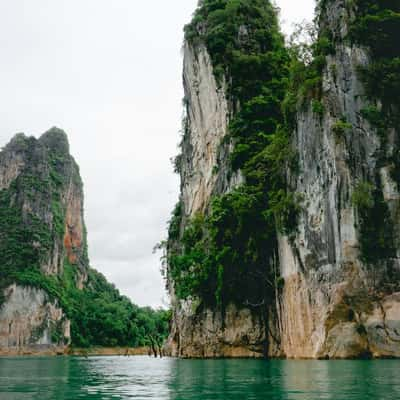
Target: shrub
x=375 y=227
x=318 y=108
x=340 y=128
x=376 y=27
x=362 y=196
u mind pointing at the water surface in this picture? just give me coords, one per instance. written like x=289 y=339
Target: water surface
x=75 y=378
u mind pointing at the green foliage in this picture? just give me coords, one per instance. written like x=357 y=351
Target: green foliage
x=382 y=80
x=284 y=207
x=58 y=217
x=376 y=232
x=340 y=128
x=57 y=332
x=24 y=239
x=190 y=267
x=308 y=50
x=242 y=240
x=26 y=236
x=175 y=222
x=240 y=36
x=177 y=163
x=362 y=197
x=395 y=170
x=280 y=283
x=377 y=119
x=225 y=250
x=318 y=108
x=225 y=255
x=377 y=27
x=100 y=316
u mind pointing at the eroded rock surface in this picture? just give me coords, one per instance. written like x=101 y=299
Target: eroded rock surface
x=334 y=304
x=28 y=318
x=205 y=172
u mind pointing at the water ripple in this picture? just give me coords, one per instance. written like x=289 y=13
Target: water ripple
x=103 y=378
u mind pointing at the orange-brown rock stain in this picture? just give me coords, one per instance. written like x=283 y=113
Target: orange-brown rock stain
x=72 y=241
x=73 y=237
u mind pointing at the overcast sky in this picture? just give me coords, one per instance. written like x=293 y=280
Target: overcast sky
x=108 y=72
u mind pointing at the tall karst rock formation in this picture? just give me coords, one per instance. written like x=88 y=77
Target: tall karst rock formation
x=286 y=239
x=42 y=241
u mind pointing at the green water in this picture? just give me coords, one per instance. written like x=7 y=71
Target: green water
x=147 y=378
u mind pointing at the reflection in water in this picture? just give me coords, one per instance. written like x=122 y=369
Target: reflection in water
x=31 y=377
x=223 y=379
x=42 y=378
x=304 y=379
x=284 y=380
x=129 y=377
x=104 y=378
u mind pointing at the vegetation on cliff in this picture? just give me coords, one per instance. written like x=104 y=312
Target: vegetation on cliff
x=376 y=27
x=226 y=255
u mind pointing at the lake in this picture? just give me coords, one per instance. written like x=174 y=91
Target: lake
x=147 y=378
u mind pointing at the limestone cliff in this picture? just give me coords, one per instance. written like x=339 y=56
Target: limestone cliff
x=205 y=172
x=41 y=235
x=332 y=269
x=341 y=268
x=211 y=317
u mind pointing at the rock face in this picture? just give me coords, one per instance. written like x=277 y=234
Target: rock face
x=205 y=172
x=333 y=301
x=206 y=125
x=41 y=231
x=28 y=318
x=237 y=332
